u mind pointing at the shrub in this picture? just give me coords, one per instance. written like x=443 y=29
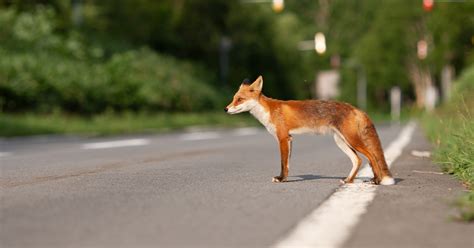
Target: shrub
x=161 y=82
x=43 y=71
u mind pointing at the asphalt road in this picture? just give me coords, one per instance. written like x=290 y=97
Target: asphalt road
x=205 y=188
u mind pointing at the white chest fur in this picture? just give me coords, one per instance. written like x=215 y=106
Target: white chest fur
x=262 y=115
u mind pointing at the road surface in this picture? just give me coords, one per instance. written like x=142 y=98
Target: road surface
x=203 y=189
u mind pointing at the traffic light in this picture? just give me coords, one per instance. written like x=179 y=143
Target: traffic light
x=278 y=5
x=428 y=5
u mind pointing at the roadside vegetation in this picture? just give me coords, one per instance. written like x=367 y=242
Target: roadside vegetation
x=42 y=71
x=111 y=123
x=116 y=124
x=451 y=129
x=88 y=64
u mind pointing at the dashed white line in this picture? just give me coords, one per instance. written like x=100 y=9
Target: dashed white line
x=199 y=136
x=115 y=144
x=331 y=223
x=245 y=131
x=186 y=137
x=4 y=154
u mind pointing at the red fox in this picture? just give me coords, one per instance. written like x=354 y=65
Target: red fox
x=352 y=128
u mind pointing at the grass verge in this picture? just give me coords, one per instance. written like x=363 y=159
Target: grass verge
x=26 y=124
x=451 y=129
x=111 y=124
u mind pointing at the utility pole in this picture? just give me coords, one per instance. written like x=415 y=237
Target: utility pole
x=76 y=15
x=395 y=103
x=225 y=45
x=361 y=88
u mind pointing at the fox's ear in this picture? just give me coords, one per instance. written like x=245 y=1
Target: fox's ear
x=258 y=84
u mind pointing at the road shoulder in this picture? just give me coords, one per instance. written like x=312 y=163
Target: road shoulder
x=416 y=212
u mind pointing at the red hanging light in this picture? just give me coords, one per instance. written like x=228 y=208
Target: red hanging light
x=428 y=5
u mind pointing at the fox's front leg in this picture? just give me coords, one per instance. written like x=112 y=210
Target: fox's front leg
x=285 y=152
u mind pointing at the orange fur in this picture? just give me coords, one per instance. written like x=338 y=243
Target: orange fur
x=284 y=118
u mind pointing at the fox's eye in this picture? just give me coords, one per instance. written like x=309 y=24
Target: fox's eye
x=239 y=99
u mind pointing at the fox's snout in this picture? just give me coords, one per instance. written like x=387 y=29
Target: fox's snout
x=226 y=109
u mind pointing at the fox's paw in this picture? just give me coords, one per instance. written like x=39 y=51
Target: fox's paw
x=375 y=181
x=345 y=181
x=279 y=179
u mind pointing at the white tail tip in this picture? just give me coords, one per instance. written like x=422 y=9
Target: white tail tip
x=387 y=181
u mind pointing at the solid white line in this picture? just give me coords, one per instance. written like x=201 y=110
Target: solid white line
x=331 y=223
x=200 y=136
x=246 y=131
x=115 y=144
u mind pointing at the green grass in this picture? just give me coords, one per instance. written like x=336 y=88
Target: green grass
x=12 y=125
x=111 y=124
x=453 y=136
x=451 y=129
x=406 y=114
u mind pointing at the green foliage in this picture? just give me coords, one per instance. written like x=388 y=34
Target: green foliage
x=385 y=50
x=263 y=42
x=451 y=128
x=377 y=37
x=466 y=205
x=452 y=26
x=43 y=71
x=381 y=37
x=158 y=82
x=456 y=152
x=262 y=46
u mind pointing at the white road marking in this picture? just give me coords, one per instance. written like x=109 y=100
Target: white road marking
x=245 y=131
x=421 y=154
x=115 y=144
x=331 y=223
x=200 y=136
x=428 y=172
x=4 y=154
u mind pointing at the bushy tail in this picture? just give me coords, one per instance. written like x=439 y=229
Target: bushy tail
x=375 y=155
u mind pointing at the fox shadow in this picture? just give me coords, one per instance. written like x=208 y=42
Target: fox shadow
x=309 y=177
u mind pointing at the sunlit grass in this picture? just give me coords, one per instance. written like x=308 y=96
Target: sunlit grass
x=451 y=129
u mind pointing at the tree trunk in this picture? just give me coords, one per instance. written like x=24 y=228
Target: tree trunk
x=421 y=80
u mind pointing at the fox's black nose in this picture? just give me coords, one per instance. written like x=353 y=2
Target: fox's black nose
x=226 y=109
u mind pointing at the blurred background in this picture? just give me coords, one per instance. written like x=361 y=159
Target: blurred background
x=106 y=67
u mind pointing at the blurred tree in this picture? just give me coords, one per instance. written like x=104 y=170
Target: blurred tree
x=452 y=29
x=378 y=36
x=267 y=44
x=386 y=47
x=263 y=42
x=342 y=41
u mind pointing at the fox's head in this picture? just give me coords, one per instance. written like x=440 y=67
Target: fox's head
x=246 y=97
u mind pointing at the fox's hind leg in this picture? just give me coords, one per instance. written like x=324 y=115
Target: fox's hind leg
x=355 y=159
x=359 y=132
